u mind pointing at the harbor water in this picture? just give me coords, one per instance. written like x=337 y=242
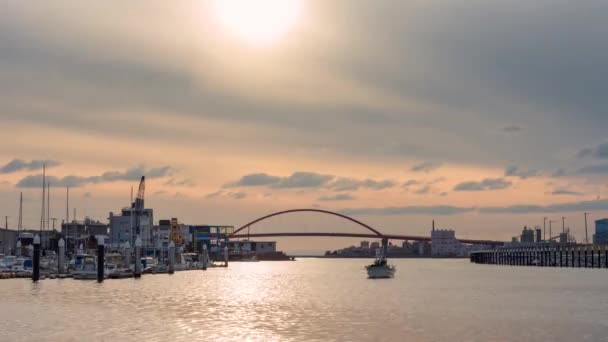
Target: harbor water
x=316 y=300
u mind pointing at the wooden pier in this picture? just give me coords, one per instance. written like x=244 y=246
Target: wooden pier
x=580 y=256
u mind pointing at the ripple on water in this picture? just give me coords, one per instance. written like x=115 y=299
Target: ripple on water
x=314 y=300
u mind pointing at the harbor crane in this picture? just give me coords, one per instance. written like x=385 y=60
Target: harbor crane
x=139 y=204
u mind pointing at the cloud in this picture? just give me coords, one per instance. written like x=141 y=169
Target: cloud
x=133 y=174
x=512 y=129
x=350 y=184
x=559 y=173
x=296 y=180
x=226 y=194
x=424 y=190
x=310 y=180
x=562 y=191
x=160 y=192
x=486 y=184
x=410 y=183
x=598 y=205
x=409 y=210
x=338 y=197
x=600 y=151
x=304 y=180
x=593 y=169
x=255 y=179
x=237 y=195
x=16 y=165
x=87 y=195
x=425 y=167
x=514 y=171
x=184 y=182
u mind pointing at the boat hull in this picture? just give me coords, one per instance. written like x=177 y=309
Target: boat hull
x=377 y=272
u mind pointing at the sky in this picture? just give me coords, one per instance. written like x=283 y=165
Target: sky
x=485 y=116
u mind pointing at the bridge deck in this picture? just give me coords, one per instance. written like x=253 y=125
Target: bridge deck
x=359 y=235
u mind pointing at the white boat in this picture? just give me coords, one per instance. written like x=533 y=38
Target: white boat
x=85 y=267
x=380 y=269
x=115 y=267
x=19 y=265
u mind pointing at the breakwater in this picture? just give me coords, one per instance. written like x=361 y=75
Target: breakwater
x=582 y=256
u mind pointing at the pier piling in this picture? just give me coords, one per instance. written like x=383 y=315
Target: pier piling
x=171 y=257
x=101 y=255
x=36 y=262
x=205 y=257
x=137 y=273
x=61 y=256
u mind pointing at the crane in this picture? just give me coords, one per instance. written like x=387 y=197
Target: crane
x=138 y=205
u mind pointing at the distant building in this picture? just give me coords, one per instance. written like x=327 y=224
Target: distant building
x=527 y=235
x=252 y=247
x=77 y=231
x=374 y=245
x=364 y=244
x=539 y=235
x=8 y=241
x=444 y=243
x=601 y=232
x=123 y=227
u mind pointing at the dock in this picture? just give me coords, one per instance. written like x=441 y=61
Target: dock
x=577 y=256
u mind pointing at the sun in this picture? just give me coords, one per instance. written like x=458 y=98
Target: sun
x=258 y=21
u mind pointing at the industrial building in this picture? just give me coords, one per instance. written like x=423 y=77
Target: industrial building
x=601 y=232
x=123 y=227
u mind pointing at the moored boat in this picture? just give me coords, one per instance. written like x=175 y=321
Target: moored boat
x=380 y=268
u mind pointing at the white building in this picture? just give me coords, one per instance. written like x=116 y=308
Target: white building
x=444 y=243
x=123 y=227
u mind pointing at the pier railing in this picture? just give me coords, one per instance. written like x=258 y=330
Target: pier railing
x=585 y=256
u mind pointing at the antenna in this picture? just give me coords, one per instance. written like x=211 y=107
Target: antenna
x=586 y=234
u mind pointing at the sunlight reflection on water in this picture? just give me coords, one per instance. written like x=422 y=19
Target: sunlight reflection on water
x=315 y=300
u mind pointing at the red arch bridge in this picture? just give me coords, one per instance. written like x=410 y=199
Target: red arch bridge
x=372 y=234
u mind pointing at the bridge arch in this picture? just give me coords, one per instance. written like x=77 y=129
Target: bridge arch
x=310 y=210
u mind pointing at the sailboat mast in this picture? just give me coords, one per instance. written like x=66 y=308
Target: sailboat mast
x=48 y=205
x=20 y=222
x=43 y=197
x=67 y=204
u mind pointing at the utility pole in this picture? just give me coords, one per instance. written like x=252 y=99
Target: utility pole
x=544 y=228
x=54 y=219
x=563 y=225
x=550 y=228
x=586 y=234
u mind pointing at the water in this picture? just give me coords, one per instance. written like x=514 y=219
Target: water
x=315 y=300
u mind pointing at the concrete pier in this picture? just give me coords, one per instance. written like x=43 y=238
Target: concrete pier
x=171 y=257
x=205 y=257
x=36 y=259
x=581 y=256
x=127 y=255
x=137 y=273
x=101 y=257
